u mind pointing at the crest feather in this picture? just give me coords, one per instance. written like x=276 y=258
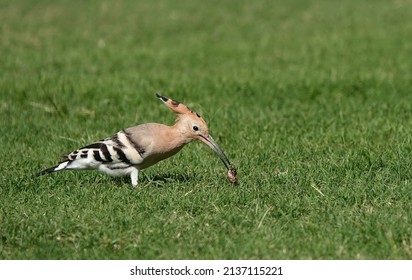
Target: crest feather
x=176 y=106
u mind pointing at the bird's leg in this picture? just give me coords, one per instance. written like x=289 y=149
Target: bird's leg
x=134 y=177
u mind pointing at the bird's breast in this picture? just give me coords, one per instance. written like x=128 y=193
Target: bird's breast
x=154 y=157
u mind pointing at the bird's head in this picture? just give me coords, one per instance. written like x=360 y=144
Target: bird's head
x=192 y=127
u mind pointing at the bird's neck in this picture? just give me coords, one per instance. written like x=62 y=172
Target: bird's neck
x=170 y=139
x=179 y=133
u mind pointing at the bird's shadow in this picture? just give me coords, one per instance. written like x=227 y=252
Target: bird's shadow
x=158 y=180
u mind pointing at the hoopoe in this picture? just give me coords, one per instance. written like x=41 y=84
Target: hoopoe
x=135 y=148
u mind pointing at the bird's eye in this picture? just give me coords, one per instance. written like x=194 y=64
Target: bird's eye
x=195 y=128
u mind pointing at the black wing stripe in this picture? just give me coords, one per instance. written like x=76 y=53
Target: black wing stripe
x=116 y=139
x=92 y=146
x=96 y=155
x=106 y=152
x=122 y=155
x=137 y=147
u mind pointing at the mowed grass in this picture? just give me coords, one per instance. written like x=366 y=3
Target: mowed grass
x=311 y=101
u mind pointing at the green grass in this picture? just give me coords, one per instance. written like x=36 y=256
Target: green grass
x=311 y=100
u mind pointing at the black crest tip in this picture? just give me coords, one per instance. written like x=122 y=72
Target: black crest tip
x=163 y=98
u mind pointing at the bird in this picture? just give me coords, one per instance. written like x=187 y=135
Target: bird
x=130 y=150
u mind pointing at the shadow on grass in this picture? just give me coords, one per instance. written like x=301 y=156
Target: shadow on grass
x=158 y=180
x=95 y=178
x=173 y=177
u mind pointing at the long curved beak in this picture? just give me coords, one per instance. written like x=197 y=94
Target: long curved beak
x=215 y=147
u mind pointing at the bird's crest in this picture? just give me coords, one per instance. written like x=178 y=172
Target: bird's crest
x=176 y=106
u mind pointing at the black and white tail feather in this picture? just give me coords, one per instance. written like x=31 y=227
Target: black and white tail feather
x=118 y=155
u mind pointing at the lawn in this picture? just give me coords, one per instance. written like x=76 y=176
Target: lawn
x=310 y=100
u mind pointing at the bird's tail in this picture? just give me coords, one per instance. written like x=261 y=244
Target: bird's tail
x=60 y=166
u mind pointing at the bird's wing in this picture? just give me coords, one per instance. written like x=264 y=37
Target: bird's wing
x=124 y=148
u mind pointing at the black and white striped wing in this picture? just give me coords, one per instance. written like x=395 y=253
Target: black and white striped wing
x=116 y=152
x=113 y=155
